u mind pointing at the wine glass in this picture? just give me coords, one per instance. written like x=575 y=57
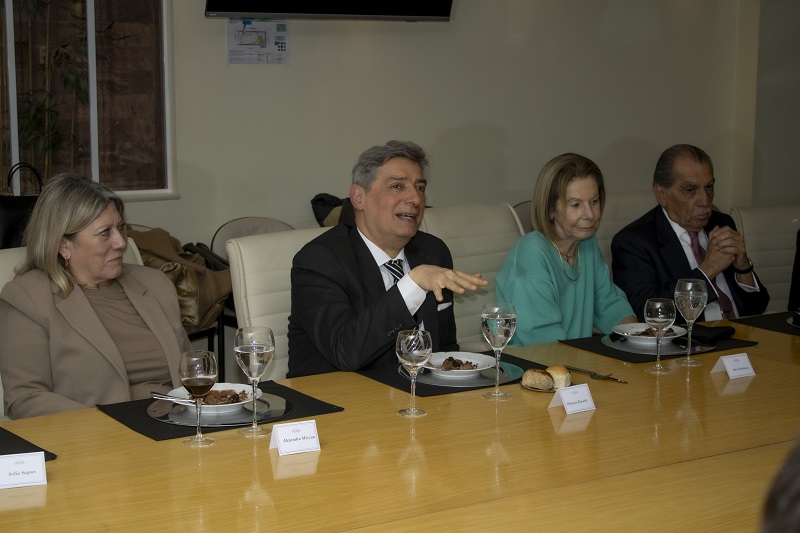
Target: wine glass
x=198 y=373
x=498 y=322
x=690 y=299
x=254 y=347
x=413 y=350
x=659 y=313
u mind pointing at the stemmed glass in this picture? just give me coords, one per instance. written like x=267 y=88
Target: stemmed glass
x=498 y=322
x=198 y=373
x=413 y=350
x=690 y=299
x=659 y=313
x=254 y=347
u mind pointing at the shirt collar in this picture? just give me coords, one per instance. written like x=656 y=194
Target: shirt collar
x=379 y=255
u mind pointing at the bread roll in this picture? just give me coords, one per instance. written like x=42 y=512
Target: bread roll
x=560 y=374
x=537 y=379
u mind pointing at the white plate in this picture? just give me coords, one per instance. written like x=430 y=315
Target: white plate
x=633 y=333
x=481 y=361
x=225 y=408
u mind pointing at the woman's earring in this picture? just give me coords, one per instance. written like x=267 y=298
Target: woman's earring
x=66 y=263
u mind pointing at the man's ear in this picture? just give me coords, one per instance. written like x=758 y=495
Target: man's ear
x=661 y=195
x=357 y=196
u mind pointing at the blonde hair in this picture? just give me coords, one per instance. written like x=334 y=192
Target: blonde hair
x=67 y=204
x=551 y=187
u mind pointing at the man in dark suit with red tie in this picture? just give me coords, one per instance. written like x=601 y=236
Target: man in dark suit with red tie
x=683 y=237
x=355 y=286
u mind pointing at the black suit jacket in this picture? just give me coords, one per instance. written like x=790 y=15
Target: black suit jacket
x=343 y=318
x=794 y=288
x=647 y=260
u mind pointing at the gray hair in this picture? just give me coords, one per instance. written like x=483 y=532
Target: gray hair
x=664 y=174
x=67 y=204
x=366 y=168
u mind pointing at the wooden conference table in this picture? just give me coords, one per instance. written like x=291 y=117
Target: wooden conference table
x=686 y=450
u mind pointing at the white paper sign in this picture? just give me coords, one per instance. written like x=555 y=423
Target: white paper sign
x=22 y=470
x=295 y=437
x=737 y=366
x=575 y=399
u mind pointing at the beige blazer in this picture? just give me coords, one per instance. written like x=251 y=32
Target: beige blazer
x=55 y=354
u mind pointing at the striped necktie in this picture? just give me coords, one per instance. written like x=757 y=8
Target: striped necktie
x=395 y=268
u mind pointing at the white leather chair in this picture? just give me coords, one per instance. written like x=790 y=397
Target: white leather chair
x=523 y=210
x=242 y=227
x=132 y=254
x=479 y=237
x=260 y=274
x=621 y=209
x=770 y=235
x=10 y=259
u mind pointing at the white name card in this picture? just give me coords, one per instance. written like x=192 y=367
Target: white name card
x=737 y=366
x=575 y=399
x=295 y=437
x=22 y=470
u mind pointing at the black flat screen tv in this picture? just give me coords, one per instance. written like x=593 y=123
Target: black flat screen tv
x=409 y=10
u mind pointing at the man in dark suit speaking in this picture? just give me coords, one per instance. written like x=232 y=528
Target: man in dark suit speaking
x=683 y=237
x=355 y=287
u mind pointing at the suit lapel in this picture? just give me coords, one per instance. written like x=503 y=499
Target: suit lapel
x=370 y=273
x=80 y=314
x=153 y=315
x=670 y=247
x=428 y=311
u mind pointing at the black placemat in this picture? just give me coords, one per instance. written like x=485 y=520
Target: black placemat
x=773 y=322
x=388 y=375
x=595 y=344
x=11 y=443
x=134 y=414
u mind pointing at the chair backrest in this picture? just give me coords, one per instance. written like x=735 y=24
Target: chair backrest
x=242 y=227
x=621 y=209
x=260 y=274
x=770 y=237
x=479 y=237
x=523 y=210
x=10 y=258
x=132 y=254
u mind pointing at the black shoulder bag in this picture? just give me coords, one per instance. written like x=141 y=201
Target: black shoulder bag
x=15 y=210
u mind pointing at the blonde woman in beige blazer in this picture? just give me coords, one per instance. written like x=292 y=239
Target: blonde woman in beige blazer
x=77 y=328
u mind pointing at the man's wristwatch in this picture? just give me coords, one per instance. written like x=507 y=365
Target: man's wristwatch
x=743 y=270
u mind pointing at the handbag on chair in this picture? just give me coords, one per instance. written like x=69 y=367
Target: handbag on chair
x=15 y=210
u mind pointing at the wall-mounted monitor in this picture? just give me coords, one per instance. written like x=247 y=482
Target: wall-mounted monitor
x=410 y=10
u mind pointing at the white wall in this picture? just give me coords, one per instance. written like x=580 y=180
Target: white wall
x=776 y=172
x=492 y=95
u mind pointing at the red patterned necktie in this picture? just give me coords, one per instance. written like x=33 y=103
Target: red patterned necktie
x=724 y=301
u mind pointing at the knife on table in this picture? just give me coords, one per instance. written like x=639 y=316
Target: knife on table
x=594 y=375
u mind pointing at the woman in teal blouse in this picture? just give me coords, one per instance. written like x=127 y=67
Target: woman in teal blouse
x=555 y=276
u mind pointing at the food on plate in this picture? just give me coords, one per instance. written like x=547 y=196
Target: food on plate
x=534 y=378
x=451 y=363
x=561 y=376
x=650 y=332
x=225 y=396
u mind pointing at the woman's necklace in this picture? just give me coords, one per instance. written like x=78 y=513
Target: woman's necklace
x=561 y=256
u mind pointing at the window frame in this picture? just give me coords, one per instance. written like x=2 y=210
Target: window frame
x=167 y=63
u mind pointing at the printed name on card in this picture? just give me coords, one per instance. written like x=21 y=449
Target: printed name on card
x=295 y=437
x=575 y=399
x=737 y=366
x=22 y=470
